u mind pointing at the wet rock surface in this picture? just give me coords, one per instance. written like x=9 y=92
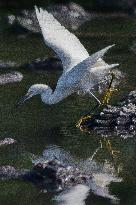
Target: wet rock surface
x=7 y=141
x=69 y=15
x=115 y=120
x=11 y=77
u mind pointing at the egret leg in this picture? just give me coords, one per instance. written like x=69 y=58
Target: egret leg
x=105 y=101
x=106 y=143
x=88 y=116
x=99 y=102
x=96 y=151
x=108 y=93
x=82 y=120
x=112 y=151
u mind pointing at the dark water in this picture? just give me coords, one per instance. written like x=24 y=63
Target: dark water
x=35 y=125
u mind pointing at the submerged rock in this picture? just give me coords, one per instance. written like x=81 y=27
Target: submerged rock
x=124 y=5
x=51 y=64
x=7 y=172
x=117 y=120
x=54 y=63
x=69 y=15
x=11 y=77
x=25 y=22
x=7 y=141
x=39 y=64
x=8 y=64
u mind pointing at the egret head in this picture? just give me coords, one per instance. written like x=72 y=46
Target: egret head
x=37 y=89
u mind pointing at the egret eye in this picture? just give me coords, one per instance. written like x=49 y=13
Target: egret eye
x=29 y=93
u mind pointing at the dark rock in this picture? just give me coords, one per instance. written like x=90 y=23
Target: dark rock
x=118 y=120
x=60 y=174
x=50 y=175
x=51 y=64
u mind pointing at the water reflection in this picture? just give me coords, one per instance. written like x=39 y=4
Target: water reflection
x=74 y=196
x=102 y=176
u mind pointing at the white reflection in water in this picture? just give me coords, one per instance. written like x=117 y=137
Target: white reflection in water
x=100 y=185
x=74 y=196
x=102 y=176
x=79 y=193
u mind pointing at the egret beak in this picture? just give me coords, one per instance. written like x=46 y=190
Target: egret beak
x=23 y=99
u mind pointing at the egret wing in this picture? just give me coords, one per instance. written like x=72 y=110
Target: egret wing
x=100 y=62
x=65 y=44
x=85 y=72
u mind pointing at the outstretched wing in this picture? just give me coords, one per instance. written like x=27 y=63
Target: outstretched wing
x=85 y=74
x=65 y=44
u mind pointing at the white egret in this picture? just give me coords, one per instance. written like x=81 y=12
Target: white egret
x=81 y=71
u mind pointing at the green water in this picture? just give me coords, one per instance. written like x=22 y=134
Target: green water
x=36 y=125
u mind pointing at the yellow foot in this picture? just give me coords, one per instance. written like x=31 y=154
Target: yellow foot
x=82 y=120
x=115 y=152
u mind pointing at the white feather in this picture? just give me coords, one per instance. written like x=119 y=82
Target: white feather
x=65 y=44
x=81 y=71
